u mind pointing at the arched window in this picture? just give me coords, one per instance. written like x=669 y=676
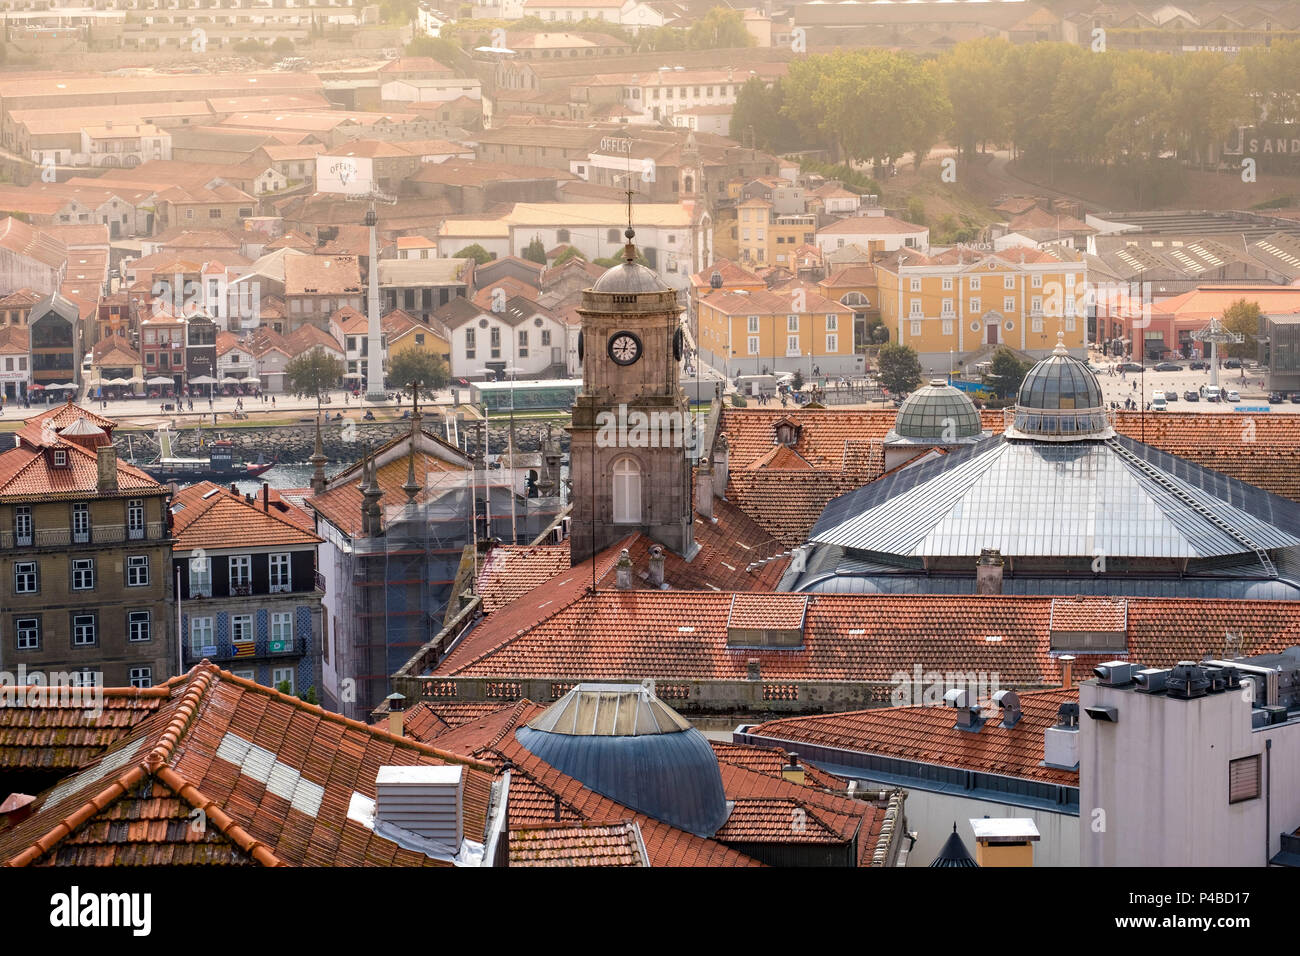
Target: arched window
x=627 y=491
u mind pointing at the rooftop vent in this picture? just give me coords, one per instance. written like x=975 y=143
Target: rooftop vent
x=968 y=712
x=767 y=620
x=1009 y=702
x=1186 y=680
x=1061 y=740
x=1151 y=680
x=1114 y=673
x=426 y=801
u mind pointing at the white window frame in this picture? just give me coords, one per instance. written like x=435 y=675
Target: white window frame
x=792 y=323
x=135 y=518
x=139 y=622
x=1009 y=304
x=81 y=522
x=243 y=564
x=975 y=305
x=832 y=322
x=24 y=525
x=137 y=570
x=281 y=625
x=202 y=633
x=753 y=345
x=947 y=283
x=915 y=307
x=281 y=675
x=753 y=324
x=280 y=569
x=27 y=573
x=201 y=577
x=947 y=326
x=914 y=284
x=79 y=625
x=141 y=676
x=832 y=342
x=27 y=630
x=916 y=329
x=627 y=505
x=793 y=346
x=947 y=308
x=243 y=628
x=1037 y=325
x=974 y=283
x=80 y=568
x=1036 y=280
x=1008 y=282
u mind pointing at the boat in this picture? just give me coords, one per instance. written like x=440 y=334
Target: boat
x=219 y=466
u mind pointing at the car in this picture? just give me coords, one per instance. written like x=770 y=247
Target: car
x=1130 y=367
x=1198 y=364
x=1191 y=396
x=1168 y=367
x=1232 y=395
x=1159 y=405
x=1171 y=396
x=1276 y=398
x=1232 y=363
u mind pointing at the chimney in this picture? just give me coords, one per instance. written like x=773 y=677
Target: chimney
x=266 y=496
x=396 y=714
x=623 y=571
x=721 y=471
x=1004 y=841
x=792 y=772
x=704 y=490
x=988 y=572
x=234 y=489
x=16 y=808
x=106 y=459
x=753 y=671
x=425 y=801
x=1067 y=670
x=656 y=567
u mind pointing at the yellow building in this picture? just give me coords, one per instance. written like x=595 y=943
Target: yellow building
x=777 y=331
x=764 y=238
x=403 y=332
x=964 y=303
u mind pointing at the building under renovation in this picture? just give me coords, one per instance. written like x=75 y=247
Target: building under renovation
x=401 y=529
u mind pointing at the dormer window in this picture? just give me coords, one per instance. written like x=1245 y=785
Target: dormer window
x=60 y=458
x=786 y=433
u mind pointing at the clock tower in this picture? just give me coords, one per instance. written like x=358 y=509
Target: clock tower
x=630 y=440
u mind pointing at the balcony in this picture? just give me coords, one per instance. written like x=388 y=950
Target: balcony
x=99 y=534
x=241 y=590
x=228 y=651
x=320 y=582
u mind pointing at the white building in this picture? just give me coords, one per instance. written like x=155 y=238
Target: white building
x=632 y=14
x=872 y=229
x=520 y=334
x=676 y=239
x=123 y=145
x=1210 y=779
x=434 y=89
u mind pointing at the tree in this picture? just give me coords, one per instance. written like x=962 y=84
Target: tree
x=313 y=373
x=974 y=74
x=282 y=46
x=570 y=253
x=612 y=261
x=445 y=51
x=536 y=251
x=1006 y=373
x=1243 y=317
x=796 y=383
x=761 y=108
x=477 y=253
x=719 y=28
x=899 y=368
x=417 y=365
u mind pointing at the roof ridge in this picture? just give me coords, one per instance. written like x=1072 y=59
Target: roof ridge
x=196 y=798
x=197 y=685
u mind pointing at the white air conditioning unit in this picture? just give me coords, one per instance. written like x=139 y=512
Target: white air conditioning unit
x=426 y=801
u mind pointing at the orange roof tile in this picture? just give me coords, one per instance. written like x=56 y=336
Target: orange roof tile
x=211 y=516
x=192 y=753
x=610 y=844
x=53 y=733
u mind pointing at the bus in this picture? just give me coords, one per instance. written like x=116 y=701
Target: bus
x=527 y=395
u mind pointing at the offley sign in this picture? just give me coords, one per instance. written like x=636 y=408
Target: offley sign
x=615 y=144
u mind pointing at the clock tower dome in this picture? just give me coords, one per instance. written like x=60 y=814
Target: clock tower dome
x=629 y=441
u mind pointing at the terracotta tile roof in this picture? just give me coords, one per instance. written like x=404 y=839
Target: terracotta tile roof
x=509 y=286
x=29 y=242
x=869 y=226
x=569 y=634
x=25 y=472
x=15 y=340
x=264 y=338
x=928 y=735
x=511 y=571
x=1089 y=614
x=321 y=275
x=425 y=721
x=56 y=735
x=770 y=761
x=212 y=516
x=307 y=337
x=613 y=844
x=760 y=611
x=274 y=776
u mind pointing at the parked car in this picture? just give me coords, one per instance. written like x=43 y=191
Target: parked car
x=1130 y=367
x=1191 y=396
x=1232 y=363
x=1198 y=364
x=1277 y=398
x=1171 y=396
x=1232 y=395
x=1295 y=398
x=1168 y=367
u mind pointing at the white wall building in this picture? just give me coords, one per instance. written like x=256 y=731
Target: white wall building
x=871 y=227
x=434 y=89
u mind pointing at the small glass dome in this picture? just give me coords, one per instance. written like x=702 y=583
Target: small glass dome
x=937 y=411
x=1060 y=400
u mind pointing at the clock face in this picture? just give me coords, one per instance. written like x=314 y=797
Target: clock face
x=624 y=348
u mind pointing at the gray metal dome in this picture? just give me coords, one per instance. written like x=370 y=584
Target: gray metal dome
x=1060 y=400
x=624 y=743
x=629 y=277
x=937 y=411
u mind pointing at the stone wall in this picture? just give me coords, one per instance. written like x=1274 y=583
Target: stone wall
x=344 y=441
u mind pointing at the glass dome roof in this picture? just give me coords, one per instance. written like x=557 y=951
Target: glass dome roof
x=1060 y=400
x=937 y=411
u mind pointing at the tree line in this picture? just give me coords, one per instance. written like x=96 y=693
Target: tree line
x=1050 y=102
